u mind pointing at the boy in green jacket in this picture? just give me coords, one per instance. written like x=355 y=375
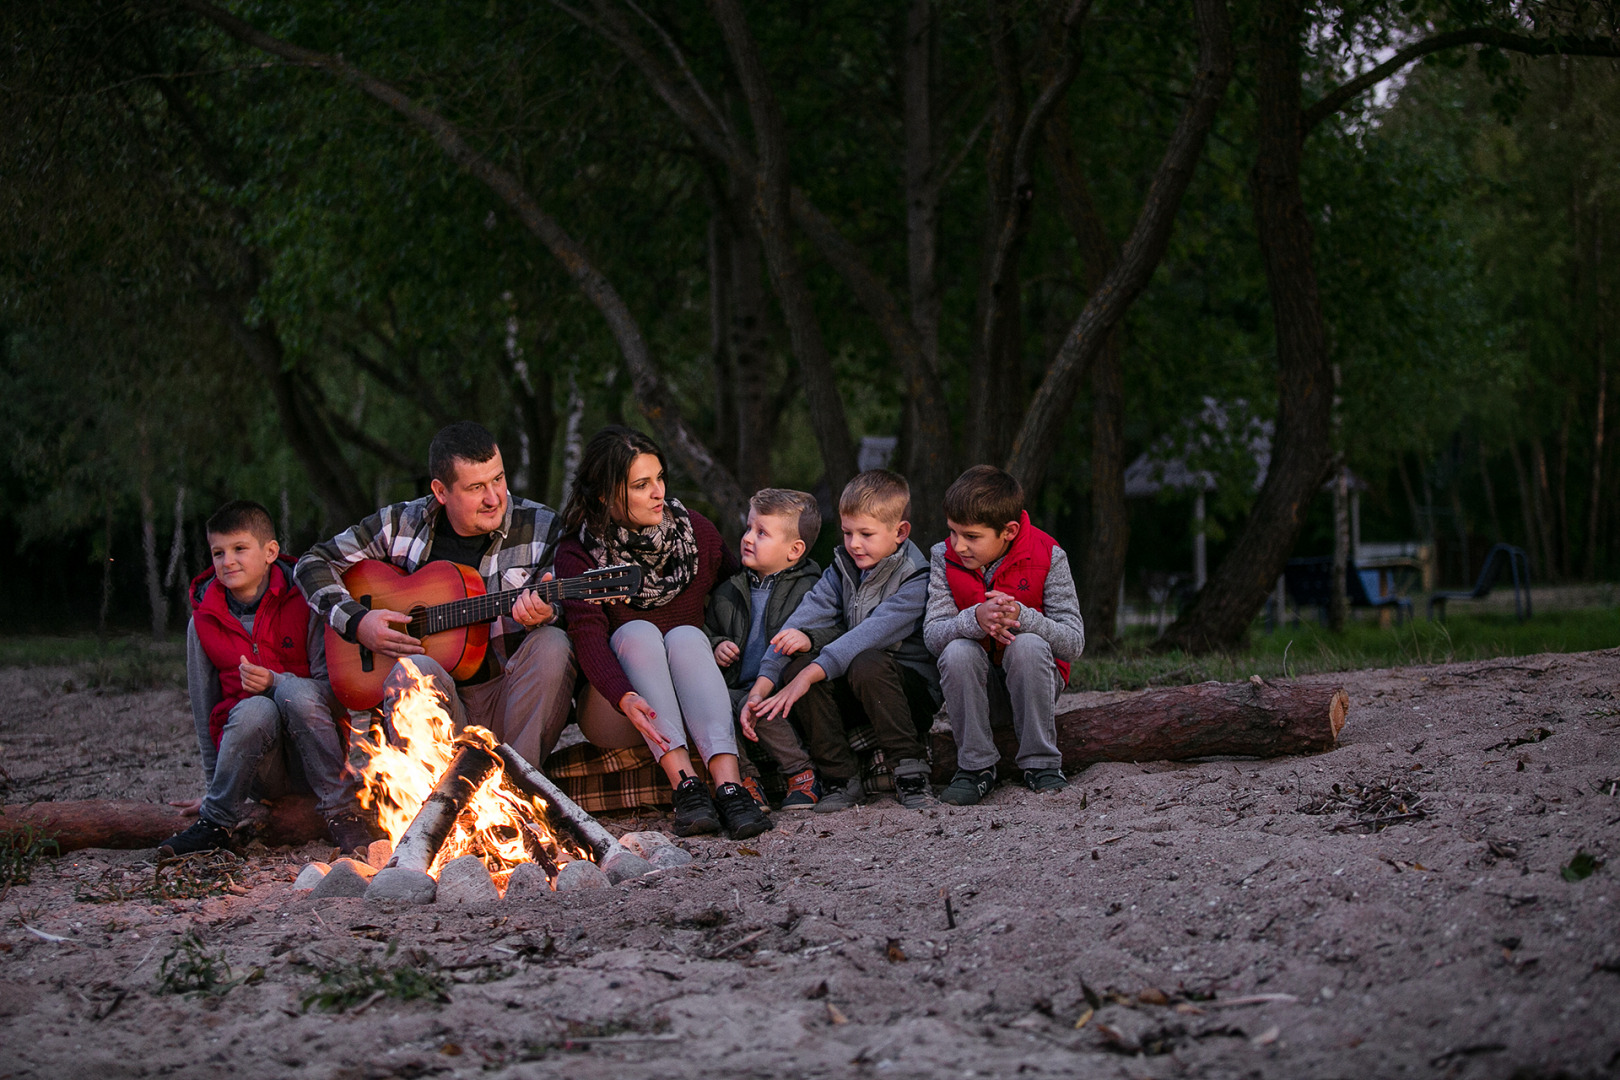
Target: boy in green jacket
x=748 y=610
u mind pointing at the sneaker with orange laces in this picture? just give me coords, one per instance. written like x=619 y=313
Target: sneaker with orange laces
x=751 y=785
x=804 y=791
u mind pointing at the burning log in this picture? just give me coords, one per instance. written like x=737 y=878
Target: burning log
x=565 y=815
x=126 y=824
x=473 y=763
x=1249 y=719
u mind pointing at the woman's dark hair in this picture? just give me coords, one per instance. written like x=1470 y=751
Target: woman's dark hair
x=604 y=477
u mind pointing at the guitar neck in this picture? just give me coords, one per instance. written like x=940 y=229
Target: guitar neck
x=477 y=609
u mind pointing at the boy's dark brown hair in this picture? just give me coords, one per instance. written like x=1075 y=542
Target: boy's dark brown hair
x=797 y=506
x=242 y=515
x=985 y=495
x=879 y=493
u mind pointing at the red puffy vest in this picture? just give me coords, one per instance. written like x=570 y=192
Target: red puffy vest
x=280 y=638
x=1021 y=575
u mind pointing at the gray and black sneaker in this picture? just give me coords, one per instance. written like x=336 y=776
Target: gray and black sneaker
x=1044 y=781
x=739 y=813
x=841 y=795
x=968 y=786
x=695 y=813
x=200 y=835
x=911 y=788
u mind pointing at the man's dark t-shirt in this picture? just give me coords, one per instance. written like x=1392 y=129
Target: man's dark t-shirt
x=451 y=546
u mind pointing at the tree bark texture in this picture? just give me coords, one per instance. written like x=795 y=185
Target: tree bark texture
x=1036 y=441
x=157 y=601
x=1249 y=719
x=1221 y=614
x=773 y=220
x=126 y=824
x=1102 y=563
x=654 y=399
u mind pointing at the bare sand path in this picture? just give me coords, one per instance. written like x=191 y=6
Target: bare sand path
x=1148 y=900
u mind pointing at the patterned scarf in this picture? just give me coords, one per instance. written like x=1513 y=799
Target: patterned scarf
x=667 y=554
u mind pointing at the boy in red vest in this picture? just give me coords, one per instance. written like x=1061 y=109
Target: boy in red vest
x=1004 y=620
x=256 y=671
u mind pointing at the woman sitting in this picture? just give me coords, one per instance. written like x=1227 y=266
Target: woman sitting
x=652 y=672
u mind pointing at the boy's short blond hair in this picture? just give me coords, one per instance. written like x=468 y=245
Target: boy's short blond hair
x=798 y=507
x=878 y=493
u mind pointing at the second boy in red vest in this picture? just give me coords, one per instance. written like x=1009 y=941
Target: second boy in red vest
x=1004 y=620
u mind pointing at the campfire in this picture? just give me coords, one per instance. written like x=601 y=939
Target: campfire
x=449 y=799
x=482 y=815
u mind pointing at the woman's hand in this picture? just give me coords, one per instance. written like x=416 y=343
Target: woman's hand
x=788 y=642
x=639 y=711
x=255 y=679
x=726 y=653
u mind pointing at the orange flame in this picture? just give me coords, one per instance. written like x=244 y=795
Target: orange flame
x=502 y=826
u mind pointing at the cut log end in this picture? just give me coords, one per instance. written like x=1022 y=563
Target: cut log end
x=1338 y=713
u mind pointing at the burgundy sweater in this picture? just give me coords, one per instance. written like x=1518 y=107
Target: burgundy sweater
x=590 y=625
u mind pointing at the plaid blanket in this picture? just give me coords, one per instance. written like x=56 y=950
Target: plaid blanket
x=606 y=781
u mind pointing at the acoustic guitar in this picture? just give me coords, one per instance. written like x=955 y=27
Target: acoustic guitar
x=449 y=610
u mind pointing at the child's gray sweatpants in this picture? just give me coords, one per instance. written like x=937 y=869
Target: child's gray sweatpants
x=1026 y=684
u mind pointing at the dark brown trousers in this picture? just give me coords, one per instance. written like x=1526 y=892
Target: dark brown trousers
x=878 y=689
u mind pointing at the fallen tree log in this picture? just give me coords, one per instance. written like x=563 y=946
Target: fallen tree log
x=125 y=824
x=1247 y=719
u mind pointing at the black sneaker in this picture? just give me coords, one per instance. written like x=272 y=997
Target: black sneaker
x=911 y=784
x=968 y=786
x=201 y=835
x=694 y=810
x=1044 y=781
x=352 y=832
x=740 y=812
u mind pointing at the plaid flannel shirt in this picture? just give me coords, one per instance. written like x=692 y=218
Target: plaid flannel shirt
x=402 y=534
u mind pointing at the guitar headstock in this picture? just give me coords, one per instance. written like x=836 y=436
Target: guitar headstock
x=604 y=584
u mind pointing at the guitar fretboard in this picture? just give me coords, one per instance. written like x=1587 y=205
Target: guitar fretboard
x=476 y=609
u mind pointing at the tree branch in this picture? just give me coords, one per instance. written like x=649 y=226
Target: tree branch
x=1557 y=44
x=656 y=402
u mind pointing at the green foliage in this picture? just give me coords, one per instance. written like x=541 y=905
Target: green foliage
x=20 y=851
x=192 y=969
x=179 y=877
x=1581 y=867
x=116 y=663
x=414 y=977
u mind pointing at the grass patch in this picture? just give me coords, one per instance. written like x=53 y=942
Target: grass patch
x=19 y=851
x=191 y=969
x=179 y=877
x=117 y=663
x=363 y=982
x=1309 y=648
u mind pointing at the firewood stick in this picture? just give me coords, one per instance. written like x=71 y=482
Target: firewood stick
x=564 y=812
x=473 y=764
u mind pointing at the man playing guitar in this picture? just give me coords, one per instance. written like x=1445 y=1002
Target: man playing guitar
x=524 y=689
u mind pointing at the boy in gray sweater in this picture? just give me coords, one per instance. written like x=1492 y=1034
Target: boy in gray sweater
x=1004 y=620
x=875 y=665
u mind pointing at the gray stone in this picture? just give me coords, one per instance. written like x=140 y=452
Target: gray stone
x=401 y=885
x=645 y=843
x=528 y=882
x=310 y=876
x=581 y=874
x=466 y=881
x=379 y=852
x=345 y=878
x=668 y=858
x=623 y=864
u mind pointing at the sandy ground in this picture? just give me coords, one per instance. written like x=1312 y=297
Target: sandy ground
x=1148 y=901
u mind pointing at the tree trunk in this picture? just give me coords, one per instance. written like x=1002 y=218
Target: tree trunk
x=1339 y=597
x=1539 y=566
x=723 y=371
x=128 y=825
x=654 y=398
x=773 y=221
x=106 y=566
x=1222 y=612
x=1102 y=563
x=1249 y=719
x=1541 y=491
x=1497 y=535
x=749 y=338
x=1037 y=437
x=157 y=600
x=1589 y=571
x=175 y=576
